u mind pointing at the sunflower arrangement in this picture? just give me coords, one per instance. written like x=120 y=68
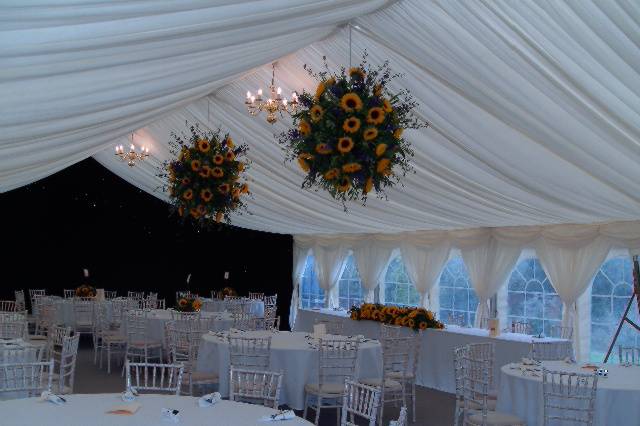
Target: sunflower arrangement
x=188 y=304
x=415 y=318
x=204 y=180
x=85 y=290
x=348 y=135
x=229 y=291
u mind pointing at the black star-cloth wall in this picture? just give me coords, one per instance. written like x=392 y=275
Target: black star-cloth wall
x=86 y=217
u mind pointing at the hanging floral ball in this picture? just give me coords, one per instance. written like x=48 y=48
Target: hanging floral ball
x=348 y=135
x=205 y=180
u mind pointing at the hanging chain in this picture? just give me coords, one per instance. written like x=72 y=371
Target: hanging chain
x=349 y=24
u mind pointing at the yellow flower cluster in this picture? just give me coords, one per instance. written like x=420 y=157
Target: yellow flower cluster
x=415 y=318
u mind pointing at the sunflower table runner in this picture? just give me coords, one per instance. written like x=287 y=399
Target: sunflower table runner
x=414 y=318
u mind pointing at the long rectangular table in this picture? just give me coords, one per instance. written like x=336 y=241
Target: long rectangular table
x=435 y=362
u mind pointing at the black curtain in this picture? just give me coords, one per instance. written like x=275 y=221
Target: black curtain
x=86 y=217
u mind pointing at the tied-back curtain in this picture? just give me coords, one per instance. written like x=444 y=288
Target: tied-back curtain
x=329 y=262
x=423 y=263
x=300 y=254
x=570 y=260
x=371 y=258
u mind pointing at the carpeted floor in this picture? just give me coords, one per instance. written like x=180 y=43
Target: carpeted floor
x=434 y=408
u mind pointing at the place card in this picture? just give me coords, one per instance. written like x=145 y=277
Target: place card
x=125 y=410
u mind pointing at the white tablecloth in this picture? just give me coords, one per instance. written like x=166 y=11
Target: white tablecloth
x=217 y=305
x=617 y=397
x=435 y=363
x=65 y=312
x=157 y=319
x=83 y=410
x=291 y=354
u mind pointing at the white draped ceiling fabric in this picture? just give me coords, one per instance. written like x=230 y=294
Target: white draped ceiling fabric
x=534 y=112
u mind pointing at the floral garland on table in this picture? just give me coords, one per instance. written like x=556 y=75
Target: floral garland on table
x=189 y=304
x=415 y=318
x=85 y=290
x=348 y=138
x=229 y=291
x=203 y=182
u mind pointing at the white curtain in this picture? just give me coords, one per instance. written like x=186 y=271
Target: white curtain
x=329 y=262
x=372 y=260
x=570 y=257
x=423 y=264
x=300 y=254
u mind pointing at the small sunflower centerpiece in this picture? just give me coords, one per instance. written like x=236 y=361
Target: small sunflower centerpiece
x=188 y=304
x=414 y=318
x=229 y=291
x=204 y=182
x=348 y=135
x=85 y=290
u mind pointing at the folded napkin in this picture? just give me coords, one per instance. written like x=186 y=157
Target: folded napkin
x=170 y=415
x=529 y=361
x=282 y=415
x=569 y=360
x=52 y=397
x=209 y=399
x=129 y=395
x=126 y=410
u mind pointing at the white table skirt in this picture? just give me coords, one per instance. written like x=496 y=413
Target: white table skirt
x=217 y=305
x=617 y=397
x=83 y=410
x=435 y=363
x=291 y=354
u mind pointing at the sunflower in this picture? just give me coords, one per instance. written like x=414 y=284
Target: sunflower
x=188 y=194
x=380 y=149
x=422 y=325
x=224 y=188
x=316 y=112
x=320 y=90
x=244 y=188
x=377 y=89
x=217 y=172
x=429 y=315
x=375 y=115
x=303 y=164
x=351 y=102
x=351 y=125
x=184 y=154
x=201 y=209
x=195 y=165
x=323 y=148
x=383 y=165
x=229 y=142
x=398 y=133
x=186 y=181
x=204 y=145
x=194 y=213
x=204 y=171
x=386 y=105
x=370 y=133
x=206 y=195
x=182 y=302
x=219 y=217
x=236 y=193
x=181 y=211
x=197 y=304
x=230 y=156
x=240 y=167
x=356 y=73
x=345 y=144
x=351 y=167
x=398 y=321
x=331 y=174
x=306 y=156
x=344 y=184
x=413 y=314
x=354 y=315
x=218 y=159
x=330 y=81
x=304 y=128
x=368 y=185
x=412 y=323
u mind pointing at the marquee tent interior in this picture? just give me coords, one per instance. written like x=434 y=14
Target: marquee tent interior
x=532 y=147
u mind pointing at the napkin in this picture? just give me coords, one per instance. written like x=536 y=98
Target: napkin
x=282 y=415
x=127 y=410
x=529 y=361
x=171 y=415
x=129 y=395
x=209 y=399
x=51 y=397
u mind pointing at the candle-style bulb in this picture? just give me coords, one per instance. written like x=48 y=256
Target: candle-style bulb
x=132 y=147
x=248 y=94
x=279 y=91
x=260 y=92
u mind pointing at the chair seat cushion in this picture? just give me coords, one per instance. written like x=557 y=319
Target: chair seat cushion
x=496 y=418
x=400 y=375
x=491 y=405
x=199 y=376
x=376 y=382
x=327 y=388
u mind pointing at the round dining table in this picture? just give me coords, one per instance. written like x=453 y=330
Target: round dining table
x=617 y=395
x=83 y=410
x=296 y=354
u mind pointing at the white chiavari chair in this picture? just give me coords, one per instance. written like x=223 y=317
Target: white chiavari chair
x=459 y=354
x=119 y=307
x=8 y=306
x=68 y=294
x=183 y=294
x=138 y=295
x=184 y=316
x=335 y=327
x=184 y=345
x=255 y=387
x=23 y=354
x=46 y=314
x=139 y=345
x=628 y=355
x=252 y=353
x=408 y=377
x=33 y=293
x=28 y=378
x=359 y=400
x=215 y=294
x=458 y=319
x=17 y=316
x=110 y=294
x=271 y=300
x=243 y=321
x=561 y=332
x=83 y=315
x=154 y=378
x=475 y=392
x=402 y=418
x=271 y=324
x=65 y=377
x=55 y=339
x=569 y=398
x=20 y=301
x=107 y=338
x=13 y=329
x=392 y=331
x=521 y=327
x=337 y=363
x=485 y=352
x=256 y=296
x=551 y=351
x=238 y=306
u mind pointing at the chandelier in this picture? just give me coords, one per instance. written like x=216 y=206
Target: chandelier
x=132 y=155
x=274 y=104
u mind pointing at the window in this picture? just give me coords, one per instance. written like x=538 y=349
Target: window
x=532 y=298
x=612 y=287
x=311 y=295
x=349 y=286
x=456 y=294
x=398 y=289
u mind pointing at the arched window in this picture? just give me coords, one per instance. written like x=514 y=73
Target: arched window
x=457 y=297
x=398 y=288
x=532 y=298
x=349 y=286
x=612 y=287
x=311 y=295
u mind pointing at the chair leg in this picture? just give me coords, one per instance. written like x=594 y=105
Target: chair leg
x=318 y=411
x=108 y=358
x=381 y=407
x=413 y=400
x=306 y=405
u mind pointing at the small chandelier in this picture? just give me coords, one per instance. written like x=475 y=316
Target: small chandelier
x=132 y=156
x=275 y=104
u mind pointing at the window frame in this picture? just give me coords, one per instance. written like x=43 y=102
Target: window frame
x=469 y=313
x=411 y=290
x=314 y=299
